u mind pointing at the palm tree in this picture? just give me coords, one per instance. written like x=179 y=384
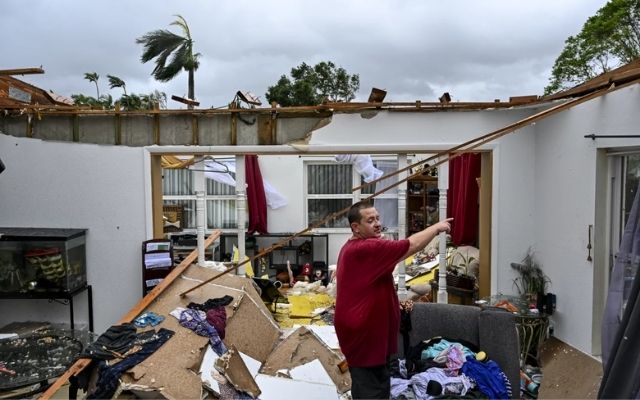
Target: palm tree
x=114 y=82
x=93 y=77
x=161 y=43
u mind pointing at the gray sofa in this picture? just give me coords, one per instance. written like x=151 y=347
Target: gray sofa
x=492 y=330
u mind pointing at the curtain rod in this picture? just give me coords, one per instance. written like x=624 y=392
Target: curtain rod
x=594 y=136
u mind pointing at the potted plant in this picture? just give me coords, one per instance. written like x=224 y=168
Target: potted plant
x=532 y=283
x=458 y=274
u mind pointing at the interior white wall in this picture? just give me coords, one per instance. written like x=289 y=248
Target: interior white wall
x=512 y=206
x=565 y=175
x=71 y=185
x=285 y=174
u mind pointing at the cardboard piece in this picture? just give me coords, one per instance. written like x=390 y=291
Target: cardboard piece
x=301 y=347
x=234 y=369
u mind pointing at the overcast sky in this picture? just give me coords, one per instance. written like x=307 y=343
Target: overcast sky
x=478 y=50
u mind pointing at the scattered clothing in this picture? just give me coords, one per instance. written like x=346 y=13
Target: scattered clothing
x=196 y=320
x=456 y=385
x=441 y=348
x=108 y=376
x=148 y=319
x=114 y=342
x=211 y=303
x=217 y=317
x=488 y=376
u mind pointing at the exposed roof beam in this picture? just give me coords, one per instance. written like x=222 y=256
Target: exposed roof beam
x=21 y=71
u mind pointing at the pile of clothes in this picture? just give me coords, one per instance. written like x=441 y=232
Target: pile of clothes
x=446 y=367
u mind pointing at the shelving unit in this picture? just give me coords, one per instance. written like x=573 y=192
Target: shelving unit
x=422 y=203
x=157 y=262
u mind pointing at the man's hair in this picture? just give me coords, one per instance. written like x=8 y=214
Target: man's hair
x=354 y=212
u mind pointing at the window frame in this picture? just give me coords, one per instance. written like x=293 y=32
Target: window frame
x=207 y=199
x=355 y=196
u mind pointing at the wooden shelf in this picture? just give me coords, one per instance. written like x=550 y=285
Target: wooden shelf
x=422 y=194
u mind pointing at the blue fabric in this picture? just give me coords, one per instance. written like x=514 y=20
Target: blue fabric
x=109 y=375
x=148 y=319
x=488 y=377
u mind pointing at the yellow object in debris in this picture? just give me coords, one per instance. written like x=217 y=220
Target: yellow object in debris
x=248 y=269
x=425 y=278
x=305 y=304
x=408 y=261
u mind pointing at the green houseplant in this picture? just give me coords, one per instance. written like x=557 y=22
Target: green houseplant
x=531 y=281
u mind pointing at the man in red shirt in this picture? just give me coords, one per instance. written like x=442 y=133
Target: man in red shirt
x=367 y=315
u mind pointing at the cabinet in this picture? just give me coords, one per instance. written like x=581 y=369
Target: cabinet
x=422 y=203
x=157 y=262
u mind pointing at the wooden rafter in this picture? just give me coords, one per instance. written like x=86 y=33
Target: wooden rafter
x=21 y=71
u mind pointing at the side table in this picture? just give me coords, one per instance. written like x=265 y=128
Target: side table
x=532 y=327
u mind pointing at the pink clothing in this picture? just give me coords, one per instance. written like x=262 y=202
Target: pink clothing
x=367 y=316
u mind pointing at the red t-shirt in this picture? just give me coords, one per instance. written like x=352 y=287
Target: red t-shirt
x=367 y=316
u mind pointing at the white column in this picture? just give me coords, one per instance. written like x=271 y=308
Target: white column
x=241 y=208
x=199 y=186
x=402 y=224
x=443 y=186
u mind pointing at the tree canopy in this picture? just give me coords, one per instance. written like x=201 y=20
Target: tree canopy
x=312 y=85
x=607 y=40
x=115 y=82
x=162 y=44
x=128 y=102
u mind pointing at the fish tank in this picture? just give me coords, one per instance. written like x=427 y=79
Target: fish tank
x=43 y=260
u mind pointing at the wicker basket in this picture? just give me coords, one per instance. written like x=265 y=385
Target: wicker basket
x=458 y=280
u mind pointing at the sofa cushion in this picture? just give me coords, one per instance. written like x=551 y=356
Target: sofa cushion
x=448 y=320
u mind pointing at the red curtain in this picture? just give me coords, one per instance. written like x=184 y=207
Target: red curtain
x=462 y=199
x=256 y=199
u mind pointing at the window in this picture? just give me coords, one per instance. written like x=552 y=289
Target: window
x=178 y=189
x=328 y=190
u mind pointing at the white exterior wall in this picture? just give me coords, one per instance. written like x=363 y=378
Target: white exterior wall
x=565 y=176
x=70 y=185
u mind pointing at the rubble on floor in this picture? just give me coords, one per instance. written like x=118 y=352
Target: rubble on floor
x=262 y=359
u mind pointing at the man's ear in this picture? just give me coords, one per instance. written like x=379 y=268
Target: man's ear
x=353 y=226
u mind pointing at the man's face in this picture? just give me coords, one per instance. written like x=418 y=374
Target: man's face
x=369 y=225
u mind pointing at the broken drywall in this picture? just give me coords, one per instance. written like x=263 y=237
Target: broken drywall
x=232 y=366
x=301 y=347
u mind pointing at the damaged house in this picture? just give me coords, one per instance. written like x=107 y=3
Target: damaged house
x=556 y=175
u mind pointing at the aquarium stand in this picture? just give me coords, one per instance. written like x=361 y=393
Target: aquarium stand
x=58 y=295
